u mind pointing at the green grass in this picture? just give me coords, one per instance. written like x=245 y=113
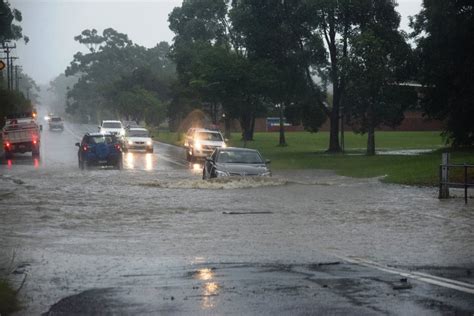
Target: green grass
x=8 y=299
x=307 y=151
x=168 y=137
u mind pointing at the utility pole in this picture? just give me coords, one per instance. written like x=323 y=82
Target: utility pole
x=7 y=49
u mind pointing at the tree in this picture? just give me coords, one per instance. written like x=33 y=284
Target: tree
x=8 y=29
x=443 y=31
x=118 y=77
x=272 y=33
x=378 y=61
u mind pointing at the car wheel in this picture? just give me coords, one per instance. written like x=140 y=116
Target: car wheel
x=81 y=165
x=204 y=176
x=150 y=150
x=35 y=154
x=8 y=155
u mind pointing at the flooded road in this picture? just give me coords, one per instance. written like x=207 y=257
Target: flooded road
x=154 y=238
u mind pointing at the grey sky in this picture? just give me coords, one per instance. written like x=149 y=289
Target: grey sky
x=52 y=24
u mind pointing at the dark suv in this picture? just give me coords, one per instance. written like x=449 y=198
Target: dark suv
x=98 y=149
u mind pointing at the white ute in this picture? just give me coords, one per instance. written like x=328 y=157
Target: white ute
x=21 y=135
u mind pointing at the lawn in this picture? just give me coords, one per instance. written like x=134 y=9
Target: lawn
x=307 y=151
x=8 y=299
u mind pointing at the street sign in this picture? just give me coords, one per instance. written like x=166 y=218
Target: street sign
x=2 y=65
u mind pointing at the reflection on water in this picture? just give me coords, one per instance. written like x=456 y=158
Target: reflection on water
x=138 y=161
x=21 y=160
x=210 y=288
x=129 y=159
x=148 y=161
x=204 y=274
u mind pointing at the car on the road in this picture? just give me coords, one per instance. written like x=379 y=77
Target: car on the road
x=232 y=161
x=99 y=149
x=55 y=123
x=113 y=127
x=200 y=143
x=137 y=138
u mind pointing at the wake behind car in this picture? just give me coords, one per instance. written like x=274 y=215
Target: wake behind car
x=99 y=149
x=200 y=143
x=243 y=162
x=55 y=123
x=137 y=138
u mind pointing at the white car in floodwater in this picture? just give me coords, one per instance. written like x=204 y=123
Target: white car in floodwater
x=201 y=143
x=138 y=138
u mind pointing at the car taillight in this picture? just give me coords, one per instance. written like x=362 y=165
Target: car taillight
x=34 y=142
x=85 y=148
x=117 y=146
x=7 y=144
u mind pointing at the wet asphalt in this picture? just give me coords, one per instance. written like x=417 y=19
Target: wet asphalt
x=155 y=239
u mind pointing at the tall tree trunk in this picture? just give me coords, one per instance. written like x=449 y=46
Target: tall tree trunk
x=245 y=124
x=371 y=131
x=227 y=127
x=330 y=37
x=282 y=141
x=252 y=126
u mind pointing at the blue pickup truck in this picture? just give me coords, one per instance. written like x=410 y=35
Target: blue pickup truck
x=99 y=149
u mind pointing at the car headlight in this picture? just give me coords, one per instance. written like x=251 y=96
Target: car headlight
x=130 y=142
x=224 y=145
x=122 y=132
x=266 y=174
x=221 y=173
x=148 y=142
x=197 y=145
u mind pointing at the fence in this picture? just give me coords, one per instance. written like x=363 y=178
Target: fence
x=444 y=181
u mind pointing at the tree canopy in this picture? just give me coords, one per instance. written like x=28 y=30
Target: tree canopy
x=443 y=31
x=119 y=77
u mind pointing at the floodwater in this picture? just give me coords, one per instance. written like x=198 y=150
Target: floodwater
x=144 y=233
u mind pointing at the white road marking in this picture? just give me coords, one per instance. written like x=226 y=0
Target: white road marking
x=423 y=277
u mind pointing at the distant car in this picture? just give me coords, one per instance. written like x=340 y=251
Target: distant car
x=55 y=123
x=137 y=138
x=226 y=162
x=200 y=143
x=113 y=127
x=99 y=149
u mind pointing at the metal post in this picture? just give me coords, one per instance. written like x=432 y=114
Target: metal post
x=444 y=180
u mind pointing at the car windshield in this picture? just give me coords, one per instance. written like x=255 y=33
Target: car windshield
x=239 y=156
x=209 y=136
x=101 y=139
x=139 y=133
x=56 y=119
x=111 y=125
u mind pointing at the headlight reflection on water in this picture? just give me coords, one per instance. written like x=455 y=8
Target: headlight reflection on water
x=210 y=287
x=129 y=159
x=148 y=162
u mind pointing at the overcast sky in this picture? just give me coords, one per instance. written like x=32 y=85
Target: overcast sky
x=52 y=24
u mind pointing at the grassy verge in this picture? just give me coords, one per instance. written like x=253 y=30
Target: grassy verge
x=8 y=299
x=307 y=151
x=168 y=137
